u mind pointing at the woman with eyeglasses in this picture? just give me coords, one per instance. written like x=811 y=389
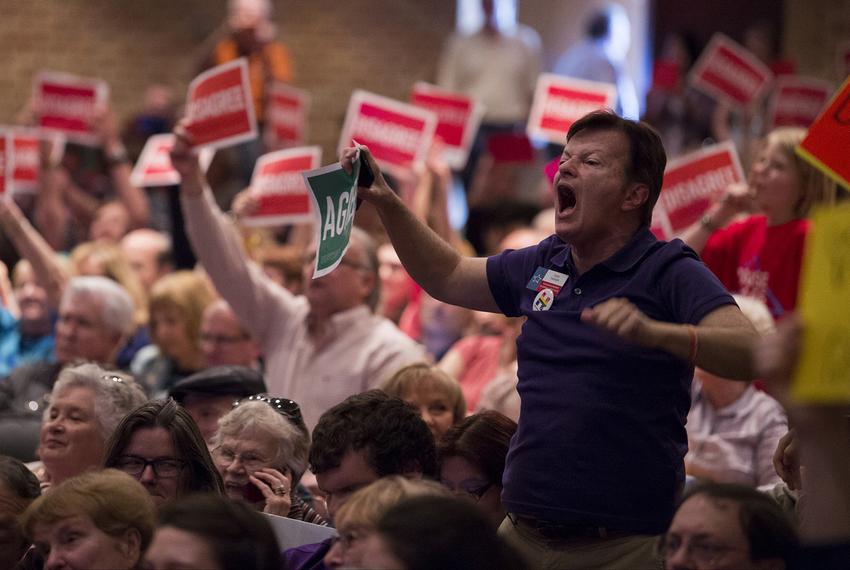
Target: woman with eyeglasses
x=159 y=445
x=472 y=460
x=261 y=453
x=85 y=406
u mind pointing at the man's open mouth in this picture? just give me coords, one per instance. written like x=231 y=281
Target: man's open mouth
x=566 y=198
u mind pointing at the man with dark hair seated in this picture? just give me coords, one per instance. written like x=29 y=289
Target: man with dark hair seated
x=724 y=525
x=366 y=437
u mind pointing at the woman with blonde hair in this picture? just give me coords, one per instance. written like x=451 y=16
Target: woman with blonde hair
x=176 y=304
x=436 y=396
x=103 y=519
x=359 y=516
x=760 y=255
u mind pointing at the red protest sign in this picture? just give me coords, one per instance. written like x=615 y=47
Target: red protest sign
x=287 y=109
x=154 y=168
x=828 y=139
x=458 y=118
x=24 y=159
x=4 y=162
x=727 y=71
x=559 y=101
x=69 y=104
x=691 y=183
x=397 y=134
x=797 y=101
x=282 y=194
x=219 y=107
x=666 y=74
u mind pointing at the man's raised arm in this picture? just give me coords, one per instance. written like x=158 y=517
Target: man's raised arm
x=431 y=262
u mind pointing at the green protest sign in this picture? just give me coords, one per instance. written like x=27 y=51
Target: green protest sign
x=334 y=195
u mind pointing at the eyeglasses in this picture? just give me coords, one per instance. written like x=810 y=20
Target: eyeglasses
x=250 y=460
x=164 y=467
x=112 y=378
x=347 y=538
x=284 y=406
x=223 y=339
x=474 y=492
x=702 y=551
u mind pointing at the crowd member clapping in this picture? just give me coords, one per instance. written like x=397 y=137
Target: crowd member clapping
x=760 y=256
x=86 y=405
x=101 y=520
x=18 y=488
x=359 y=516
x=212 y=533
x=261 y=453
x=424 y=532
x=159 y=444
x=472 y=460
x=433 y=393
x=177 y=302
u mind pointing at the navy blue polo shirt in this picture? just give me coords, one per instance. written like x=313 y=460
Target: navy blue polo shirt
x=601 y=435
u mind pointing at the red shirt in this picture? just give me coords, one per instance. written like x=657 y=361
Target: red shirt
x=764 y=262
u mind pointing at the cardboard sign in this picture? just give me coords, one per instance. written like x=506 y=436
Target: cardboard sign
x=4 y=163
x=219 y=108
x=458 y=118
x=728 y=72
x=287 y=109
x=154 y=168
x=397 y=134
x=333 y=193
x=797 y=101
x=24 y=160
x=559 y=101
x=691 y=184
x=823 y=373
x=828 y=139
x=292 y=533
x=666 y=74
x=282 y=193
x=69 y=104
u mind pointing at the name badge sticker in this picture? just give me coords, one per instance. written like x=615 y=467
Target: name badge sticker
x=547 y=279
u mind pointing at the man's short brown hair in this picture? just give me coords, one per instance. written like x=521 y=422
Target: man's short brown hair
x=647 y=158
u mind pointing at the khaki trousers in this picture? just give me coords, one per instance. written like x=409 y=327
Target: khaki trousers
x=629 y=552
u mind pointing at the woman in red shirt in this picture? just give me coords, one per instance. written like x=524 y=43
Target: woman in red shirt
x=753 y=238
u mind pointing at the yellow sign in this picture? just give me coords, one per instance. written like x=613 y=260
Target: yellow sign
x=823 y=374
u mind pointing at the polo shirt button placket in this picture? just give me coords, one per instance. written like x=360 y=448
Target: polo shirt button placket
x=577 y=291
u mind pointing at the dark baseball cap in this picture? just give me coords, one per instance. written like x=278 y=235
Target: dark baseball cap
x=236 y=381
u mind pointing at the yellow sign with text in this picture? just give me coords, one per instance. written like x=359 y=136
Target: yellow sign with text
x=823 y=374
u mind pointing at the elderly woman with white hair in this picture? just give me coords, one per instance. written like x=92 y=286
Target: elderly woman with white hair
x=261 y=453
x=86 y=405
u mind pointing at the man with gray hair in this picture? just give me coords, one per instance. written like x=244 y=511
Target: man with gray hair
x=95 y=320
x=318 y=349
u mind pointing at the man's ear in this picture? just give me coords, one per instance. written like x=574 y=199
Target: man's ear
x=636 y=196
x=131 y=544
x=368 y=281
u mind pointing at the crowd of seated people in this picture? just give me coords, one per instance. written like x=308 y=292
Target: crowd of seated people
x=174 y=395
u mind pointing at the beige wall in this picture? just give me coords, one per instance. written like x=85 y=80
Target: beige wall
x=814 y=31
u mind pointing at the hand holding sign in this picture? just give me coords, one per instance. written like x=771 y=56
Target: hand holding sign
x=185 y=161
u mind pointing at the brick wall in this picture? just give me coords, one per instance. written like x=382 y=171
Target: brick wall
x=379 y=45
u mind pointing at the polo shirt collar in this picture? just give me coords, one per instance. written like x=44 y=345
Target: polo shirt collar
x=626 y=258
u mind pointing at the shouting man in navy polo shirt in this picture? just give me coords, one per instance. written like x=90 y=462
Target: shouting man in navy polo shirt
x=616 y=322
